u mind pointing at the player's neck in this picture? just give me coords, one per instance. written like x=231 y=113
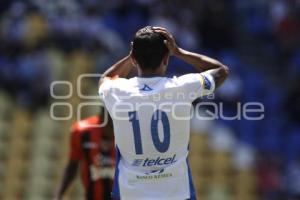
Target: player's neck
x=151 y=73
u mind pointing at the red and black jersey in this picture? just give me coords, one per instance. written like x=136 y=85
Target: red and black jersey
x=95 y=151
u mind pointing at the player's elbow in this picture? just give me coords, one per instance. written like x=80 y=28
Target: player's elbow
x=220 y=75
x=224 y=71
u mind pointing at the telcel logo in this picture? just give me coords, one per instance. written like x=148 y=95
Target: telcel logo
x=154 y=162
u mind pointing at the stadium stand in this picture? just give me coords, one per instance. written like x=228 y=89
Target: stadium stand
x=216 y=173
x=43 y=41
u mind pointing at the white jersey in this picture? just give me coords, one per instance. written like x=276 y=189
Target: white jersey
x=151 y=117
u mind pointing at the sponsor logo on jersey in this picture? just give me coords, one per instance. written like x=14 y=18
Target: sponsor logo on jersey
x=159 y=171
x=137 y=162
x=155 y=176
x=149 y=162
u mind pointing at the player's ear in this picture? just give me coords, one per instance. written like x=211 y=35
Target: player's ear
x=131 y=56
x=131 y=46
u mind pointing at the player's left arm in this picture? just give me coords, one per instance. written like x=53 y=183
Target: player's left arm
x=120 y=69
x=72 y=166
x=67 y=178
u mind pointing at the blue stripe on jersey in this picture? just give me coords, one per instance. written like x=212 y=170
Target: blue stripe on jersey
x=192 y=189
x=116 y=190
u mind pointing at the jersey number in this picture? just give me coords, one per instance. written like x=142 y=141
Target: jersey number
x=158 y=115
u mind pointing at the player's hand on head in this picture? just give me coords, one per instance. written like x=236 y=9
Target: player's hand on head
x=170 y=41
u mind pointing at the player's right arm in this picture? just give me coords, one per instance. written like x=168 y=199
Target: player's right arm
x=202 y=63
x=120 y=69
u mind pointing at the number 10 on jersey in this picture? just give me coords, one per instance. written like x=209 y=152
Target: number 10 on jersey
x=160 y=146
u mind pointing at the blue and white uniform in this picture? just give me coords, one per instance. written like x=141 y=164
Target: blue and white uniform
x=151 y=117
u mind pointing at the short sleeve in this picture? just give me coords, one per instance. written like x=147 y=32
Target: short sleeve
x=74 y=153
x=207 y=83
x=197 y=84
x=105 y=88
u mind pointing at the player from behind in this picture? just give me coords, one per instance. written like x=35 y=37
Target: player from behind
x=92 y=150
x=151 y=116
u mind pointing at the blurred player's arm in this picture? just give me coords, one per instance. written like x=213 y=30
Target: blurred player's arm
x=202 y=63
x=120 y=69
x=68 y=177
x=71 y=168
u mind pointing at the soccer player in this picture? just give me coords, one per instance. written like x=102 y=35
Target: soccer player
x=93 y=151
x=151 y=116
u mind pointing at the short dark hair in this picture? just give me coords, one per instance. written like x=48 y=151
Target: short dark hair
x=149 y=48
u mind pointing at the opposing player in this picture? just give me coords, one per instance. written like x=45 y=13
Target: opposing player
x=151 y=115
x=92 y=150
